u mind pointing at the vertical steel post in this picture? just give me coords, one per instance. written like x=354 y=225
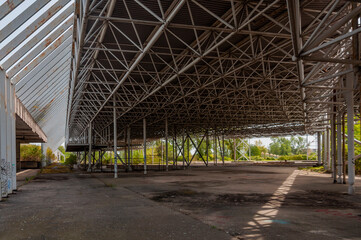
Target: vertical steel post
x=145 y=144
x=319 y=148
x=115 y=139
x=223 y=152
x=129 y=149
x=183 y=149
x=125 y=150
x=90 y=147
x=234 y=149
x=328 y=143
x=324 y=137
x=350 y=132
x=166 y=144
x=215 y=148
x=207 y=145
x=339 y=148
x=343 y=150
x=307 y=146
x=249 y=149
x=176 y=147
x=188 y=148
x=333 y=146
x=161 y=145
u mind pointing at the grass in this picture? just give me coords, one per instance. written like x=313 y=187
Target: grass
x=56 y=168
x=28 y=179
x=319 y=169
x=109 y=185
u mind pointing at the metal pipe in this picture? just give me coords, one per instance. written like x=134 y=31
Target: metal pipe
x=343 y=149
x=223 y=148
x=339 y=148
x=166 y=144
x=129 y=150
x=183 y=149
x=207 y=146
x=115 y=138
x=215 y=148
x=350 y=132
x=90 y=147
x=333 y=147
x=145 y=144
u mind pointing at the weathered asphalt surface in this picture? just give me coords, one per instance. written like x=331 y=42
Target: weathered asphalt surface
x=200 y=203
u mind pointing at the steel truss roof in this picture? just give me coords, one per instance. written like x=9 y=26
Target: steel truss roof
x=237 y=67
x=35 y=53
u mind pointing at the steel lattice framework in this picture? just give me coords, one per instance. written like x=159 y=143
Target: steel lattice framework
x=240 y=68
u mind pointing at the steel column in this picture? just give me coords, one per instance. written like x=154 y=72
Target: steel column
x=115 y=139
x=145 y=144
x=223 y=148
x=183 y=150
x=333 y=147
x=166 y=144
x=319 y=148
x=350 y=132
x=324 y=138
x=339 y=148
x=215 y=148
x=90 y=147
x=207 y=146
x=129 y=149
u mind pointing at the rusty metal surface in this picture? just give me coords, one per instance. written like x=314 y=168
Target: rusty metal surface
x=35 y=53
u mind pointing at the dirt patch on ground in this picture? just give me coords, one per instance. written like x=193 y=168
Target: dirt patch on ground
x=192 y=199
x=51 y=177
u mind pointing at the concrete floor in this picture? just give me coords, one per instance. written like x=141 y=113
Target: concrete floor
x=245 y=202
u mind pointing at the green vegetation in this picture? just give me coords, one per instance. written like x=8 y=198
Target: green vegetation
x=29 y=152
x=319 y=169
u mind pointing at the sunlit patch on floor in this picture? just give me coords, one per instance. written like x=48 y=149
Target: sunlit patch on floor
x=266 y=216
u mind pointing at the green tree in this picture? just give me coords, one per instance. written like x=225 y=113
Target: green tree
x=280 y=146
x=29 y=152
x=255 y=151
x=298 y=145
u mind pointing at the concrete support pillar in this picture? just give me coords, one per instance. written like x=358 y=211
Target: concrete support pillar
x=90 y=148
x=145 y=144
x=166 y=144
x=3 y=120
x=339 y=148
x=319 y=148
x=129 y=149
x=115 y=139
x=9 y=156
x=12 y=126
x=350 y=132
